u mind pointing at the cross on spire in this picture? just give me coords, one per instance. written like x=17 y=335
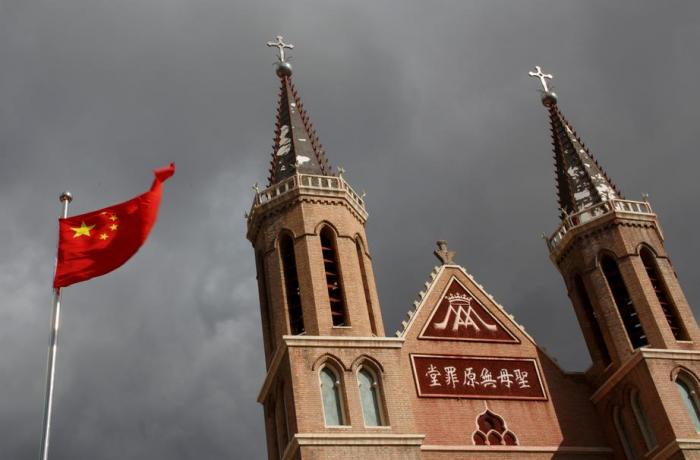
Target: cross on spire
x=280 y=45
x=542 y=76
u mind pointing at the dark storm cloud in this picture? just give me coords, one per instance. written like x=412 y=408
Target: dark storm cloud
x=427 y=105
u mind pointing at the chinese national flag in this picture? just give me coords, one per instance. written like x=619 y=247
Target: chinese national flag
x=98 y=242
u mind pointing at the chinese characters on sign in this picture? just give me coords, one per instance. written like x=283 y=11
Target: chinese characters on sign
x=459 y=316
x=471 y=377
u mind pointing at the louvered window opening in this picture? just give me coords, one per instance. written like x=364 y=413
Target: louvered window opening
x=592 y=320
x=335 y=288
x=291 y=284
x=667 y=306
x=625 y=307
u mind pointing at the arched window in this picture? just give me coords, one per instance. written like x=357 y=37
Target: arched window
x=333 y=281
x=596 y=332
x=291 y=284
x=622 y=298
x=331 y=397
x=642 y=420
x=669 y=309
x=370 y=397
x=690 y=399
x=365 y=284
x=622 y=433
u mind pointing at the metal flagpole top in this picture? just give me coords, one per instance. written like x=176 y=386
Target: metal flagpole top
x=66 y=196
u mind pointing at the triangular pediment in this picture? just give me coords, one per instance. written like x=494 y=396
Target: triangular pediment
x=454 y=307
x=459 y=315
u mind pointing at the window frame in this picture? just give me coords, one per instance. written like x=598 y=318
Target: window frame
x=379 y=393
x=689 y=384
x=340 y=392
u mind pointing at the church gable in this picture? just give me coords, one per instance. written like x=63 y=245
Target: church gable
x=455 y=308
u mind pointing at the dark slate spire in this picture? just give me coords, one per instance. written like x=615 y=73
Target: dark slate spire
x=296 y=148
x=581 y=181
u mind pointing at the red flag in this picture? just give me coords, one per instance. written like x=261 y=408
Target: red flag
x=98 y=242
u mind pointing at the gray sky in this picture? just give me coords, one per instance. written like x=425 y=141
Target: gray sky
x=427 y=105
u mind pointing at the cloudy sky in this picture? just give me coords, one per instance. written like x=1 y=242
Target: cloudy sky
x=427 y=105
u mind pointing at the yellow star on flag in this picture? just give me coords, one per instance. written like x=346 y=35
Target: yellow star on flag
x=113 y=227
x=82 y=230
x=103 y=236
x=113 y=217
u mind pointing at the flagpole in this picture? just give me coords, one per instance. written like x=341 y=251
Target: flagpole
x=65 y=198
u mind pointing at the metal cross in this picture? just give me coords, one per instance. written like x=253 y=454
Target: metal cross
x=443 y=254
x=542 y=76
x=280 y=45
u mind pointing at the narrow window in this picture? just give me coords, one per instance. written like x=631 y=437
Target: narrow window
x=291 y=285
x=264 y=306
x=365 y=284
x=271 y=415
x=335 y=288
x=619 y=422
x=669 y=309
x=370 y=397
x=282 y=439
x=622 y=298
x=642 y=421
x=592 y=320
x=330 y=394
x=689 y=398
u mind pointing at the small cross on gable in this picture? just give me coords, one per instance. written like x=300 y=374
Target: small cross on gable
x=443 y=254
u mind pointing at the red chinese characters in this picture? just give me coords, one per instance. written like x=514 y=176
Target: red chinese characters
x=459 y=316
x=441 y=376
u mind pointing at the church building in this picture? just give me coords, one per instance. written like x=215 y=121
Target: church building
x=462 y=379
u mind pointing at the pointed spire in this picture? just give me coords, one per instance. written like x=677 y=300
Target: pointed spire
x=296 y=147
x=581 y=181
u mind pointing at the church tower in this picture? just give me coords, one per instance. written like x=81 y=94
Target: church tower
x=326 y=354
x=643 y=339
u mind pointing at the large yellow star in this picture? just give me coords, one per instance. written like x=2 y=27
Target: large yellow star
x=82 y=230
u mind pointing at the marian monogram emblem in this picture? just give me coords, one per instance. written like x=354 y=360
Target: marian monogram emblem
x=459 y=316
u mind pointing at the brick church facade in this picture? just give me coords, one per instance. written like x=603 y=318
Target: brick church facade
x=337 y=387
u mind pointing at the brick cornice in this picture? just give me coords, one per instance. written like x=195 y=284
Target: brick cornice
x=639 y=355
x=520 y=449
x=358 y=439
x=325 y=341
x=676 y=445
